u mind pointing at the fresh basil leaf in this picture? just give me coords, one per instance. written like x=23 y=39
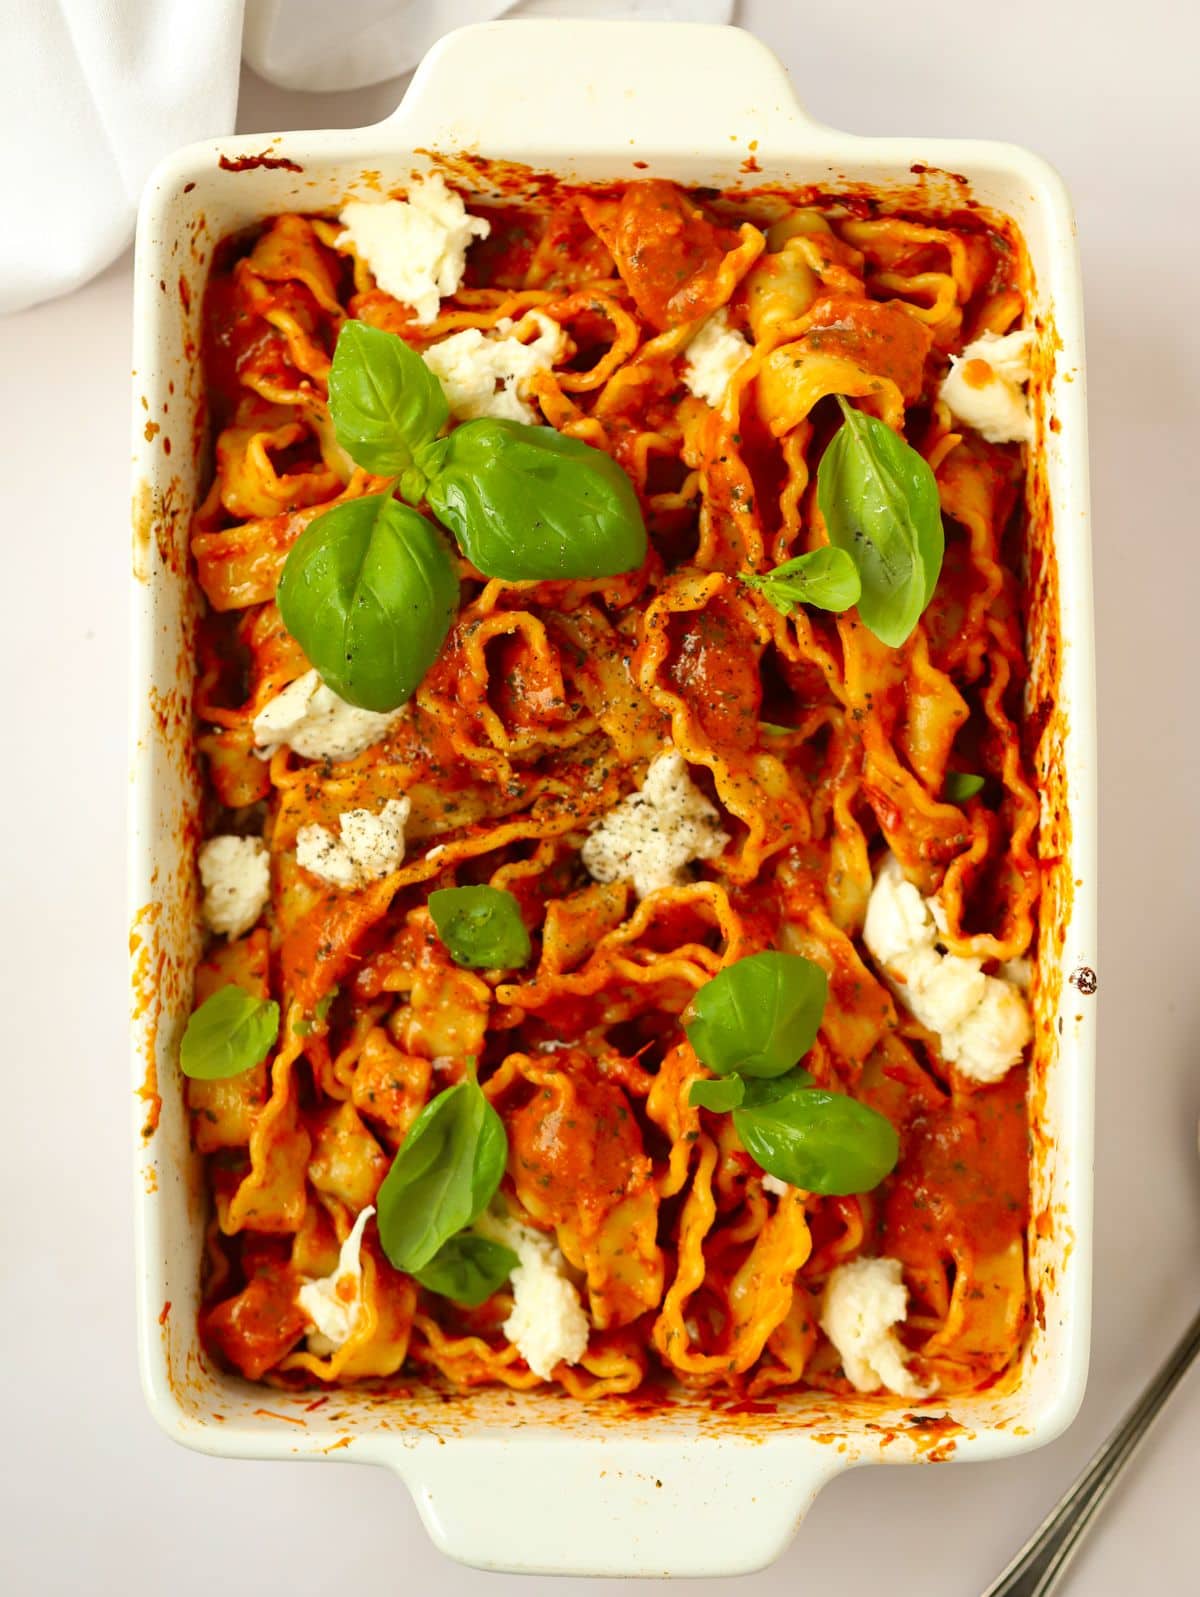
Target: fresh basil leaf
x=880 y=502
x=821 y=1141
x=481 y=927
x=468 y=1269
x=961 y=785
x=232 y=1031
x=448 y=1167
x=826 y=577
x=721 y=1095
x=758 y=1016
x=368 y=591
x=411 y=485
x=384 y=400
x=762 y=1090
x=527 y=503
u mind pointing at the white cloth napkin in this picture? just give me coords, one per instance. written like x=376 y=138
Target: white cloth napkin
x=93 y=93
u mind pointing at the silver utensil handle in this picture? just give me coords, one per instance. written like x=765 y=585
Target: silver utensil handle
x=1036 y=1569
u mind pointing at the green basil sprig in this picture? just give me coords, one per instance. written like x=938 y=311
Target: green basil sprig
x=480 y=926
x=961 y=785
x=749 y=1025
x=757 y=1017
x=444 y=1176
x=529 y=503
x=231 y=1032
x=821 y=1141
x=827 y=578
x=385 y=402
x=468 y=1268
x=368 y=591
x=880 y=502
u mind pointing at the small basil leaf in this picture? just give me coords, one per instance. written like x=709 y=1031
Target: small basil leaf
x=721 y=1095
x=232 y=1031
x=772 y=729
x=824 y=1142
x=481 y=927
x=827 y=578
x=368 y=591
x=762 y=1090
x=758 y=1016
x=431 y=457
x=880 y=502
x=448 y=1167
x=384 y=400
x=411 y=485
x=468 y=1269
x=961 y=785
x=527 y=503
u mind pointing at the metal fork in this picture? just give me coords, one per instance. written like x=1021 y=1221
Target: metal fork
x=1038 y=1567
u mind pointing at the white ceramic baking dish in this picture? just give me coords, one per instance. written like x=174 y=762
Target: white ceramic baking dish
x=536 y=1482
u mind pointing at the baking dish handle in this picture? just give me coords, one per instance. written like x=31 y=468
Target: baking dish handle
x=616 y=1507
x=519 y=89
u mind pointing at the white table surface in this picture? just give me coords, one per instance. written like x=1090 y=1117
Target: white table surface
x=94 y=1499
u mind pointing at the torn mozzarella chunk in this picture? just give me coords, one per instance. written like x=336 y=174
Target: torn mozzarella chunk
x=982 y=1021
x=1017 y=971
x=480 y=372
x=236 y=875
x=898 y=919
x=994 y=1035
x=984 y=387
x=334 y=1302
x=369 y=845
x=547 y=1325
x=313 y=720
x=946 y=989
x=416 y=248
x=651 y=836
x=863 y=1301
x=775 y=1185
x=712 y=357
